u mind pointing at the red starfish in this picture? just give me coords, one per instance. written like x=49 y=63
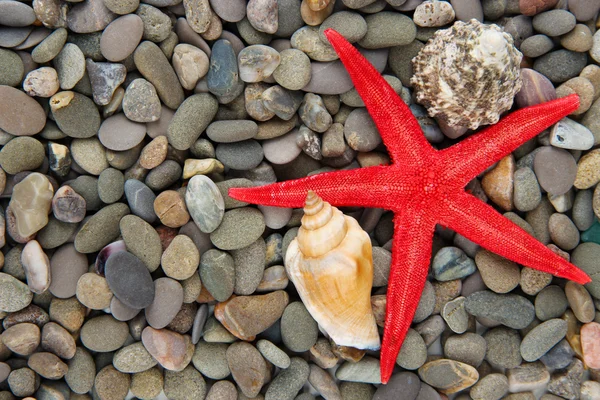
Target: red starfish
x=424 y=187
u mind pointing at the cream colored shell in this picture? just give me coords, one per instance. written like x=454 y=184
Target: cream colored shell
x=331 y=265
x=468 y=74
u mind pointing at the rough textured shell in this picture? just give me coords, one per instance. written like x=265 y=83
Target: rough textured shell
x=331 y=265
x=467 y=75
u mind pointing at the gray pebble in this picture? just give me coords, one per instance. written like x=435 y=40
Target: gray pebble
x=542 y=338
x=468 y=348
x=249 y=267
x=166 y=303
x=141 y=200
x=129 y=280
x=503 y=346
x=210 y=359
x=191 y=119
x=273 y=354
x=110 y=185
x=511 y=310
x=299 y=330
x=164 y=175
x=205 y=203
x=560 y=65
x=288 y=382
x=101 y=229
x=77 y=116
x=217 y=272
x=554 y=22
x=452 y=263
x=551 y=302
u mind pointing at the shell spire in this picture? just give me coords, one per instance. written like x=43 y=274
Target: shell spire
x=331 y=264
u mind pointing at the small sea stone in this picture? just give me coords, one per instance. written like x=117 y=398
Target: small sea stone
x=121 y=37
x=129 y=279
x=141 y=102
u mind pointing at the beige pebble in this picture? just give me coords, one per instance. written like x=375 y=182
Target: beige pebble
x=154 y=153
x=592 y=73
x=580 y=86
x=22 y=338
x=47 y=365
x=580 y=39
x=93 y=291
x=580 y=302
x=498 y=273
x=312 y=17
x=41 y=82
x=588 y=170
x=433 y=14
x=181 y=259
x=37 y=267
x=170 y=207
x=201 y=167
x=498 y=184
x=172 y=350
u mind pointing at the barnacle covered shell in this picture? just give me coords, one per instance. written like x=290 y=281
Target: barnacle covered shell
x=331 y=264
x=468 y=74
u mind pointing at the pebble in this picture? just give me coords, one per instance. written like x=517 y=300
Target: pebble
x=547 y=164
x=163 y=176
x=75 y=114
x=282 y=102
x=294 y=70
x=110 y=383
x=129 y=279
x=232 y=130
x=406 y=383
x=282 y=149
x=307 y=39
x=536 y=45
x=503 y=348
x=584 y=257
x=532 y=281
x=68 y=205
x=205 y=166
x=536 y=88
x=468 y=348
x=104 y=334
x=23 y=381
x=141 y=102
x=263 y=15
x=257 y=62
x=498 y=274
x=247 y=367
x=16 y=14
x=147 y=384
x=105 y=78
x=568 y=134
x=37 y=267
x=554 y=22
x=47 y=365
x=498 y=183
x=93 y=292
x=181 y=258
x=240 y=228
x=587 y=176
x=542 y=338
x=167 y=302
x=22 y=338
x=590 y=333
x=511 y=310
x=41 y=82
x=141 y=199
x=230 y=11
x=433 y=14
x=244 y=155
x=170 y=208
x=527 y=194
x=154 y=66
x=561 y=65
x=247 y=316
x=101 y=228
x=558 y=357
x=288 y=382
x=191 y=119
x=157 y=25
x=273 y=354
x=490 y=387
x=172 y=350
x=217 y=273
x=14 y=294
x=210 y=359
x=452 y=263
x=121 y=37
x=223 y=75
x=365 y=370
x=299 y=330
x=563 y=231
x=580 y=302
x=448 y=375
x=413 y=352
x=110 y=185
x=23 y=116
x=186 y=384
x=92 y=16
x=31 y=313
x=190 y=63
x=455 y=315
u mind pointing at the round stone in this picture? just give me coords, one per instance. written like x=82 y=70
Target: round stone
x=492 y=386
x=67 y=266
x=100 y=229
x=232 y=131
x=413 y=352
x=498 y=274
x=554 y=22
x=14 y=294
x=360 y=131
x=70 y=66
x=389 y=29
x=111 y=133
x=22 y=115
x=551 y=302
x=247 y=366
x=511 y=310
x=555 y=169
x=121 y=37
x=257 y=62
x=12 y=67
x=585 y=256
x=11 y=155
x=217 y=273
x=561 y=65
x=133 y=359
x=129 y=280
x=75 y=114
x=110 y=185
x=141 y=102
x=191 y=119
x=299 y=330
x=167 y=303
x=111 y=384
x=141 y=199
x=448 y=375
x=452 y=263
x=204 y=203
x=93 y=292
x=82 y=371
x=181 y=259
x=104 y=334
x=294 y=70
x=240 y=228
x=243 y=155
x=542 y=338
x=170 y=208
x=210 y=359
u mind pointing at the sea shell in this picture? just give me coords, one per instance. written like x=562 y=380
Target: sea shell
x=331 y=264
x=468 y=74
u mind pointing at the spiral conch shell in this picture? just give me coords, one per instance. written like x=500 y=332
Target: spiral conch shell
x=331 y=264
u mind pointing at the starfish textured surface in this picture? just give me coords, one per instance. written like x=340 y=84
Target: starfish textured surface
x=424 y=187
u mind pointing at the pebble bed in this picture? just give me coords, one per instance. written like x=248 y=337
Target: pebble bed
x=123 y=124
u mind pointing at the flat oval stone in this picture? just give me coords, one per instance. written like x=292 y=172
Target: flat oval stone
x=16 y=14
x=129 y=280
x=100 y=229
x=205 y=203
x=585 y=256
x=141 y=200
x=590 y=343
x=141 y=240
x=89 y=16
x=104 y=334
x=141 y=103
x=133 y=359
x=75 y=114
x=217 y=272
x=232 y=130
x=120 y=311
x=121 y=37
x=172 y=350
x=568 y=134
x=191 y=119
x=555 y=169
x=155 y=67
x=21 y=115
x=14 y=294
x=511 y=310
x=452 y=263
x=67 y=265
x=112 y=137
x=257 y=62
x=240 y=228
x=448 y=375
x=249 y=267
x=243 y=155
x=167 y=302
x=247 y=367
x=230 y=11
x=542 y=338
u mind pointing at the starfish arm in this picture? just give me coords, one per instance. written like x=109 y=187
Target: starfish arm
x=482 y=224
x=411 y=252
x=399 y=129
x=476 y=153
x=361 y=187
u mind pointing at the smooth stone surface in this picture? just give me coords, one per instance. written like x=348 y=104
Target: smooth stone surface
x=365 y=370
x=70 y=66
x=181 y=258
x=448 y=375
x=141 y=200
x=217 y=272
x=133 y=359
x=89 y=16
x=141 y=102
x=111 y=133
x=129 y=280
x=67 y=265
x=542 y=338
x=239 y=228
x=100 y=229
x=141 y=240
x=205 y=203
x=299 y=330
x=247 y=367
x=191 y=119
x=288 y=382
x=104 y=334
x=511 y=310
x=75 y=114
x=172 y=350
x=22 y=115
x=167 y=302
x=121 y=37
x=211 y=360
